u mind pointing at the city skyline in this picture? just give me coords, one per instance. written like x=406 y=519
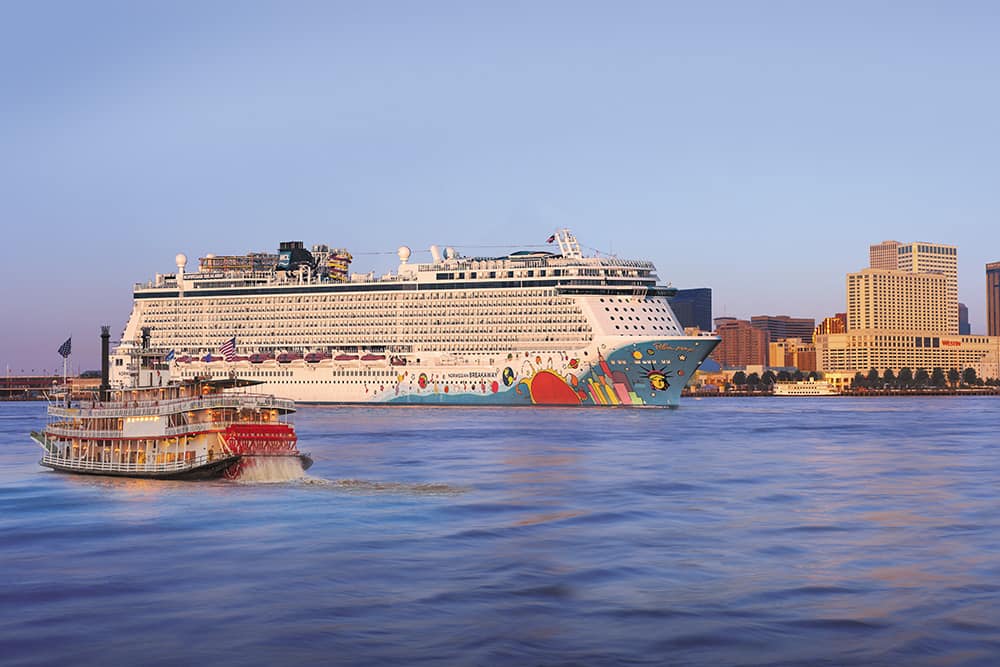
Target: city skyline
x=757 y=151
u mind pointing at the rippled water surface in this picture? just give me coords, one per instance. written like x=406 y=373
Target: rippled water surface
x=729 y=531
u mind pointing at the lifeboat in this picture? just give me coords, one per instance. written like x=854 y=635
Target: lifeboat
x=373 y=357
x=346 y=357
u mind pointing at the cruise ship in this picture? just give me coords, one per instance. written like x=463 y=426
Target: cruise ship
x=528 y=328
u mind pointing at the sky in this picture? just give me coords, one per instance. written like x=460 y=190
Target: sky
x=757 y=148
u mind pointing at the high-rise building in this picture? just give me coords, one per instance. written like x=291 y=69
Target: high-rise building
x=884 y=255
x=993 y=299
x=742 y=344
x=693 y=307
x=830 y=325
x=963 y=320
x=898 y=300
x=908 y=318
x=783 y=326
x=923 y=257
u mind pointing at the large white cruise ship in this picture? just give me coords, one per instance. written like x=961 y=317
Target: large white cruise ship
x=528 y=328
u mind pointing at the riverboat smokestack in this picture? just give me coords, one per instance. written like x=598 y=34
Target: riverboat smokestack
x=105 y=361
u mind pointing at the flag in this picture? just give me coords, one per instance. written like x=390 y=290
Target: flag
x=66 y=347
x=228 y=349
x=551 y=239
x=169 y=357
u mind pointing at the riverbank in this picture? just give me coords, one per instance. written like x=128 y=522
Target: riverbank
x=856 y=393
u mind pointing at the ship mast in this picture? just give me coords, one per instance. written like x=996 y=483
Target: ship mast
x=568 y=245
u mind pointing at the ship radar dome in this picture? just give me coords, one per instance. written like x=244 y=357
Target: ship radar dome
x=181 y=260
x=404 y=254
x=449 y=253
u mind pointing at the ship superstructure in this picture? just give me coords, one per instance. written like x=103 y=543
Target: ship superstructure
x=530 y=327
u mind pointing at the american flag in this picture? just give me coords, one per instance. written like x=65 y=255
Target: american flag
x=551 y=239
x=228 y=349
x=66 y=347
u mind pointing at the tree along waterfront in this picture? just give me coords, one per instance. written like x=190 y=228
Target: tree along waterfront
x=907 y=382
x=907 y=379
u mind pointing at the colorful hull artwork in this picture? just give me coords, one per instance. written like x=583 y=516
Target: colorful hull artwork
x=640 y=374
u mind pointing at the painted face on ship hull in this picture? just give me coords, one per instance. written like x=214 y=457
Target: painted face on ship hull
x=657 y=380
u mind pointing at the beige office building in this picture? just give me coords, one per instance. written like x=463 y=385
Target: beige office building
x=884 y=255
x=885 y=299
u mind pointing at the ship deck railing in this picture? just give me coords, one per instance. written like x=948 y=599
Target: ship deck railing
x=170 y=406
x=69 y=430
x=125 y=467
x=243 y=278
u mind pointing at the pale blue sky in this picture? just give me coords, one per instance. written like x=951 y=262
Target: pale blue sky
x=756 y=148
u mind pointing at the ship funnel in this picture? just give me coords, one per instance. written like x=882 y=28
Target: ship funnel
x=105 y=362
x=436 y=254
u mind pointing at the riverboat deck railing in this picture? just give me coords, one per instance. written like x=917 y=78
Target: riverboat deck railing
x=81 y=409
x=125 y=467
x=70 y=430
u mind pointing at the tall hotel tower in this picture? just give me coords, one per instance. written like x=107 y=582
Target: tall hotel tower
x=922 y=258
x=898 y=301
x=993 y=299
x=935 y=258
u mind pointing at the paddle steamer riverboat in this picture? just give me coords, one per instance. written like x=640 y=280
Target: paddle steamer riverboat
x=195 y=428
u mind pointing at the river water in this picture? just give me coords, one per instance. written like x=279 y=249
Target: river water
x=758 y=531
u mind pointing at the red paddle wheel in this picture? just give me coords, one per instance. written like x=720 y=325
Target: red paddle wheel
x=250 y=441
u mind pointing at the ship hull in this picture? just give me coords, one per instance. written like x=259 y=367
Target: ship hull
x=211 y=470
x=635 y=373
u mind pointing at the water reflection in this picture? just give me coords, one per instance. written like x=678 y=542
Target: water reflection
x=726 y=532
